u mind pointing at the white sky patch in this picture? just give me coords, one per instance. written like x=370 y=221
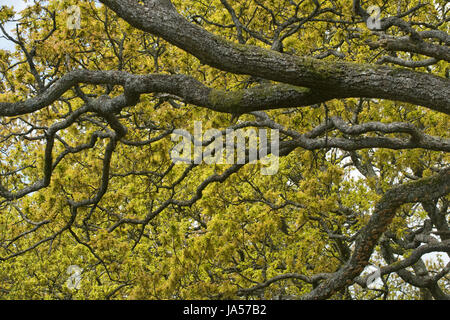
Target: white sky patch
x=18 y=5
x=434 y=257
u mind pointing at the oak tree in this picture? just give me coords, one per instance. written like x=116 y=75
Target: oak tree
x=361 y=104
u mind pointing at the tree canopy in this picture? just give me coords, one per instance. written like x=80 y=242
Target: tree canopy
x=91 y=97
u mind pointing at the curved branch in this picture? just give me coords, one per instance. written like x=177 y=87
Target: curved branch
x=426 y=189
x=342 y=79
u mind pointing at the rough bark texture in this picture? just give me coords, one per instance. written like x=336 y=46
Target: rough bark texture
x=337 y=80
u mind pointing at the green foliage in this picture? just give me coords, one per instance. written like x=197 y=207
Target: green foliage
x=244 y=231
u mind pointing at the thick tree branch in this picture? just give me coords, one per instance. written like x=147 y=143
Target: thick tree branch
x=425 y=189
x=185 y=87
x=341 y=79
